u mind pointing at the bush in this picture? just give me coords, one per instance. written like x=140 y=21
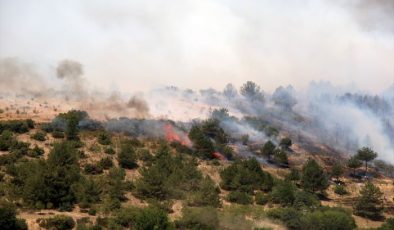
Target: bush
x=388 y=225
x=109 y=150
x=206 y=195
x=36 y=152
x=142 y=218
x=17 y=126
x=104 y=138
x=283 y=193
x=93 y=169
x=106 y=163
x=313 y=177
x=239 y=197
x=285 y=142
x=39 y=136
x=246 y=176
x=261 y=198
x=58 y=222
x=198 y=218
x=291 y=217
x=340 y=190
x=305 y=201
x=8 y=220
x=329 y=219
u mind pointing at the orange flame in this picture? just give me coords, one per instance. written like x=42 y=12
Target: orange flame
x=172 y=136
x=219 y=156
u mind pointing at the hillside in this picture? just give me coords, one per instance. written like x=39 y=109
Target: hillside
x=104 y=178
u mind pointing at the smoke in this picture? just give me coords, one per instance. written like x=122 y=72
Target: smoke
x=71 y=72
x=139 y=45
x=20 y=77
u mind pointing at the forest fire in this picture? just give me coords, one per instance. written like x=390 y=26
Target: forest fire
x=219 y=156
x=172 y=136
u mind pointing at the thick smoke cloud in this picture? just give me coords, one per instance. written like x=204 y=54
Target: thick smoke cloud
x=137 y=45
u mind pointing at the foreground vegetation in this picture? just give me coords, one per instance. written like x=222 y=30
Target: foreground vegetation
x=129 y=183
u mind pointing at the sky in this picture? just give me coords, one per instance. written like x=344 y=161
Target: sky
x=139 y=45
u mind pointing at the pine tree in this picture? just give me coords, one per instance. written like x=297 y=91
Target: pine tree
x=369 y=204
x=313 y=177
x=366 y=154
x=268 y=149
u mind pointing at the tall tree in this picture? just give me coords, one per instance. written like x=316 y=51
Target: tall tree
x=313 y=177
x=366 y=154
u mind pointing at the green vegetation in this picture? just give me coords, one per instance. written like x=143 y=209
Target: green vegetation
x=17 y=126
x=127 y=156
x=369 y=204
x=246 y=176
x=337 y=171
x=268 y=149
x=58 y=222
x=313 y=177
x=321 y=219
x=39 y=136
x=198 y=218
x=8 y=219
x=354 y=163
x=239 y=197
x=366 y=154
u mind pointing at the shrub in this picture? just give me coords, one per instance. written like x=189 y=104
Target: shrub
x=106 y=163
x=58 y=222
x=109 y=150
x=198 y=218
x=283 y=193
x=305 y=201
x=246 y=175
x=239 y=197
x=93 y=169
x=388 y=224
x=340 y=190
x=142 y=218
x=104 y=138
x=36 y=152
x=291 y=217
x=39 y=136
x=261 y=198
x=285 y=142
x=206 y=195
x=329 y=219
x=8 y=220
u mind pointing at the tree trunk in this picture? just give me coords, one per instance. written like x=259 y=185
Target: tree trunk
x=366 y=167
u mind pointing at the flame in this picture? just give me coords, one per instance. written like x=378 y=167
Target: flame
x=219 y=156
x=172 y=136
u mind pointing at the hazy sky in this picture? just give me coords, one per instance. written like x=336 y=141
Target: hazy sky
x=139 y=44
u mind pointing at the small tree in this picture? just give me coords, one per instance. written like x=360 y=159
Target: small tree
x=354 y=163
x=280 y=157
x=127 y=156
x=313 y=177
x=285 y=142
x=366 y=154
x=369 y=204
x=268 y=149
x=251 y=91
x=337 y=171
